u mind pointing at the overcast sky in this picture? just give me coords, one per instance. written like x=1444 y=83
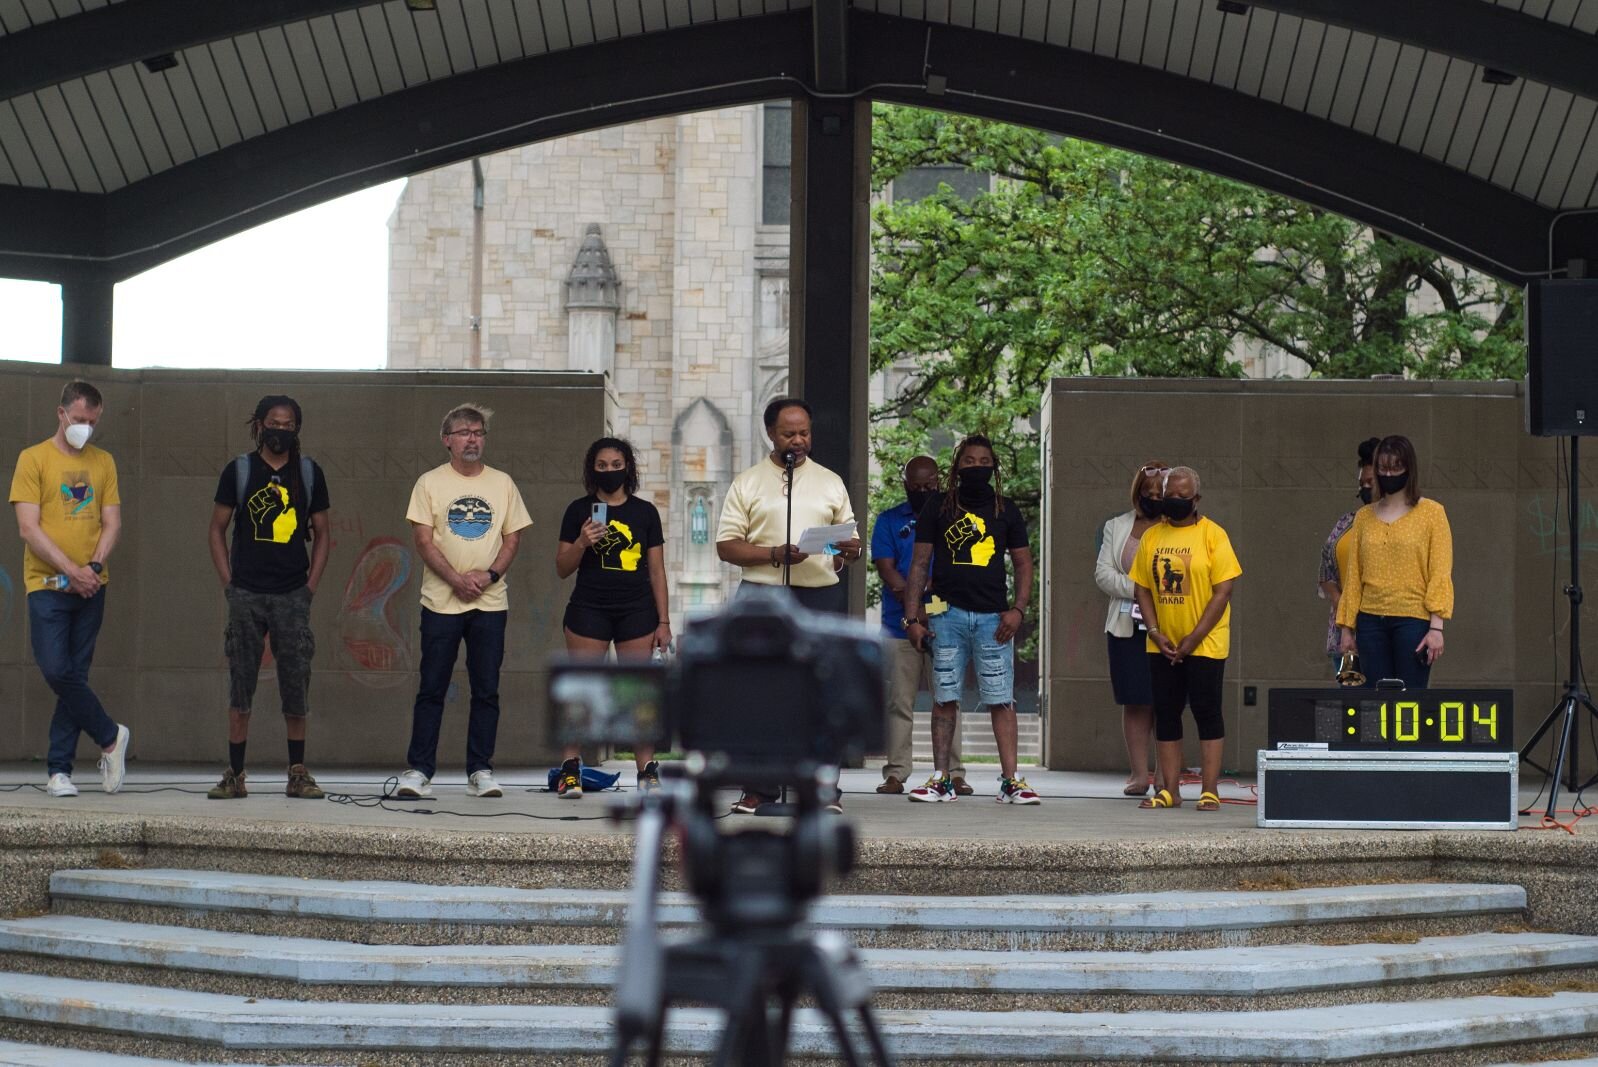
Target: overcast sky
x=306 y=291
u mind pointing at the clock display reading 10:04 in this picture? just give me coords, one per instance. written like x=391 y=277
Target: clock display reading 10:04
x=1448 y=722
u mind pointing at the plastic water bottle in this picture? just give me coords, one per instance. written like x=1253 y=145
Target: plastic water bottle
x=57 y=581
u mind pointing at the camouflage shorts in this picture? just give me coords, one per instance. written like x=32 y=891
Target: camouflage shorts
x=287 y=618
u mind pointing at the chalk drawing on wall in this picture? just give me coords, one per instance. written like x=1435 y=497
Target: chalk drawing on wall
x=371 y=646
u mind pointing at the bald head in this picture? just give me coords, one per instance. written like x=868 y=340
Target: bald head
x=921 y=474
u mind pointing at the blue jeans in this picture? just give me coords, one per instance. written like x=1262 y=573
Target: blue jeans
x=484 y=633
x=64 y=627
x=1386 y=646
x=960 y=636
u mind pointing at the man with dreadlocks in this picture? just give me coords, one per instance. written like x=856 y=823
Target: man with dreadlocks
x=964 y=533
x=277 y=502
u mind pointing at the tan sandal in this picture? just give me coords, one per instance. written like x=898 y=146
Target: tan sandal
x=1208 y=802
x=1161 y=799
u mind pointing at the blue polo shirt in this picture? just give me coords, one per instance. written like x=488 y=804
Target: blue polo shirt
x=893 y=536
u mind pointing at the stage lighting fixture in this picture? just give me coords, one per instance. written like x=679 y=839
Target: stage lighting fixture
x=1494 y=76
x=422 y=5
x=164 y=61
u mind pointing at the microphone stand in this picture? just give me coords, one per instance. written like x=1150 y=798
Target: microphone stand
x=787 y=534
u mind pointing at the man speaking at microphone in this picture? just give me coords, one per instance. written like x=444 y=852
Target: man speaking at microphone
x=754 y=534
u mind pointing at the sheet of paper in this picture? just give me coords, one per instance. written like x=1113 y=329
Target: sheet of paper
x=817 y=538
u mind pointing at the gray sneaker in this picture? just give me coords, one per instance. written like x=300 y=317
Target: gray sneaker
x=413 y=785
x=114 y=764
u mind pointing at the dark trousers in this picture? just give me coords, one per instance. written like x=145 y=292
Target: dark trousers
x=484 y=633
x=64 y=627
x=1194 y=683
x=1386 y=646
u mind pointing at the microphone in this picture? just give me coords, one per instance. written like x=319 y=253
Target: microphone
x=789 y=458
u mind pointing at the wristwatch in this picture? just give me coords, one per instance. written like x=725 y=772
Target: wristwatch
x=96 y=567
x=907 y=623
x=493 y=576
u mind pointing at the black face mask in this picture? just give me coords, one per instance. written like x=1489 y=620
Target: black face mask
x=1392 y=483
x=610 y=481
x=1149 y=508
x=275 y=440
x=1176 y=509
x=1365 y=494
x=975 y=479
x=918 y=499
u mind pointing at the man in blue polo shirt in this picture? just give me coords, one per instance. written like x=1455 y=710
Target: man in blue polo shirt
x=893 y=539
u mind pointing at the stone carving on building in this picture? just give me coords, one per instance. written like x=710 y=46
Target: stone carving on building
x=593 y=297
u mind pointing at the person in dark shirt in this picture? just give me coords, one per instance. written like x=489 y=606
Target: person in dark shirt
x=619 y=597
x=963 y=535
x=269 y=577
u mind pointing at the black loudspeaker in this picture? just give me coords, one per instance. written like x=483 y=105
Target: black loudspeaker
x=1562 y=358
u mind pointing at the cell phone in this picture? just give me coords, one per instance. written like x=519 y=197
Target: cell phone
x=599 y=511
x=1420 y=656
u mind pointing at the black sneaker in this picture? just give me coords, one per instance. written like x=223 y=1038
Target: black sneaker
x=569 y=786
x=649 y=777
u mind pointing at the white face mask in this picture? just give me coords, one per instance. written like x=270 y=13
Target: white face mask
x=78 y=434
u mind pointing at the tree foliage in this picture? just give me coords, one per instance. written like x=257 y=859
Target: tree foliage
x=1084 y=259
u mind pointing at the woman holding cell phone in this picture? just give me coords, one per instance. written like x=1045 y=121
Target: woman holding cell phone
x=613 y=541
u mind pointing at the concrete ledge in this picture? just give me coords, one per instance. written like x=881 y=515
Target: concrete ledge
x=1298 y=1036
x=1236 y=972
x=15 y=1054
x=400 y=902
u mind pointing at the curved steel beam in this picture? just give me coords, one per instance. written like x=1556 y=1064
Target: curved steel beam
x=747 y=60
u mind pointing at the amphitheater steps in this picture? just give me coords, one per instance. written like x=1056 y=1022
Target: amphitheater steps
x=214 y=966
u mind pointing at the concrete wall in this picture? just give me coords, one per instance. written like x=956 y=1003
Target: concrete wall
x=159 y=665
x=1278 y=466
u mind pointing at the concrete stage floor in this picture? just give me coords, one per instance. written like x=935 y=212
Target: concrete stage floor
x=1077 y=806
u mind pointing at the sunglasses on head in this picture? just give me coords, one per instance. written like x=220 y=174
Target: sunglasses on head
x=1153 y=469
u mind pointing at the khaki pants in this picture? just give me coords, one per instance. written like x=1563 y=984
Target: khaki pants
x=908 y=672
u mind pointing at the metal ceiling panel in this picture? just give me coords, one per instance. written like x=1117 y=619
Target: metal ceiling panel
x=1400 y=92
x=308 y=64
x=208 y=92
x=1538 y=153
x=356 y=57
x=143 y=124
x=18 y=151
x=57 y=117
x=1354 y=102
x=401 y=30
x=1230 y=39
x=114 y=120
x=1494 y=126
x=434 y=47
x=1007 y=18
x=1577 y=188
x=1458 y=77
x=486 y=47
x=163 y=105
x=285 y=74
x=1331 y=60
x=110 y=169
x=1513 y=147
x=380 y=45
x=1574 y=131
x=330 y=55
x=257 y=73
x=1279 y=63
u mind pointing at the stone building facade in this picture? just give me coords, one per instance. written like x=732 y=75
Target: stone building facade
x=655 y=252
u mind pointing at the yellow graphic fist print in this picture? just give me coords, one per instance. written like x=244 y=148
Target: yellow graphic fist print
x=279 y=527
x=969 y=530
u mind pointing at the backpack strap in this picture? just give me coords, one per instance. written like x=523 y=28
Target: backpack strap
x=308 y=479
x=241 y=478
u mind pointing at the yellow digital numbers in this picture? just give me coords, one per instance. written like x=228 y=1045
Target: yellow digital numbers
x=1457 y=732
x=1414 y=720
x=1490 y=720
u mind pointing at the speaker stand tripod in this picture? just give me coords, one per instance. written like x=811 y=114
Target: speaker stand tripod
x=1566 y=714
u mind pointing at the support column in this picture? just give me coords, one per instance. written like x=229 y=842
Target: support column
x=830 y=325
x=86 y=314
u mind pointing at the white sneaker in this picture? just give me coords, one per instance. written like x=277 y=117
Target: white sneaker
x=482 y=784
x=413 y=785
x=114 y=764
x=60 y=785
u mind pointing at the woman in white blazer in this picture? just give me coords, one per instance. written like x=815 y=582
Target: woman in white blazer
x=1123 y=626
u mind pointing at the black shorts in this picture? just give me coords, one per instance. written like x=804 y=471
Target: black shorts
x=626 y=623
x=1194 y=683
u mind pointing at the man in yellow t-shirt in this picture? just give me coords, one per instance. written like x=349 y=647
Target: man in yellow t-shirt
x=1184 y=573
x=69 y=514
x=466 y=519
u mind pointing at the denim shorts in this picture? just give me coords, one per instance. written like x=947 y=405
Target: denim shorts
x=961 y=637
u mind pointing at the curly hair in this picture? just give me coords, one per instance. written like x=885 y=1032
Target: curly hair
x=631 y=464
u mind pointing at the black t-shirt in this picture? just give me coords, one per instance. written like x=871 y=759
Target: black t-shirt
x=615 y=572
x=968 y=550
x=270 y=530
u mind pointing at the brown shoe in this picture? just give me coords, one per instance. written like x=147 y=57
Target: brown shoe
x=962 y=788
x=891 y=784
x=231 y=787
x=302 y=785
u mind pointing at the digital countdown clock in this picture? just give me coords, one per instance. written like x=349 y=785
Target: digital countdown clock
x=1393 y=720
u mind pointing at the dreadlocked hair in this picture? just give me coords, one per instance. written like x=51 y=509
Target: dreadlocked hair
x=296 y=487
x=951 y=498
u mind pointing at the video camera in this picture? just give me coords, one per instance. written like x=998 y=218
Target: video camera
x=764 y=690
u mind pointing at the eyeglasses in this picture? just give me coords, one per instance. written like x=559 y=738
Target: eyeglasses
x=476 y=435
x=1152 y=469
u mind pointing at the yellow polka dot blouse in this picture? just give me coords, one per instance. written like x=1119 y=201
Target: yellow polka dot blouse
x=1403 y=568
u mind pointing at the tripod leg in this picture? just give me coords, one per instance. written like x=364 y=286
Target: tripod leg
x=1568 y=708
x=879 y=1047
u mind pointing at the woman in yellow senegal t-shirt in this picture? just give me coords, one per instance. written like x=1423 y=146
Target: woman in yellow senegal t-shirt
x=1184 y=574
x=1399 y=586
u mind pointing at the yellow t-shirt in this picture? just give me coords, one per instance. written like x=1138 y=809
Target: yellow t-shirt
x=470 y=518
x=1181 y=566
x=756 y=510
x=70 y=491
x=1403 y=568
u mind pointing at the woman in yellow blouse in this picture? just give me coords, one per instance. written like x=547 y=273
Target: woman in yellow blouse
x=1399 y=587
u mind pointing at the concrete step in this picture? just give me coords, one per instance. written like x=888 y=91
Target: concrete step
x=236 y=1027
x=445 y=914
x=1266 y=976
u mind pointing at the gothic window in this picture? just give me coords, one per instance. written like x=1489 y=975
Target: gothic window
x=776 y=163
x=922 y=182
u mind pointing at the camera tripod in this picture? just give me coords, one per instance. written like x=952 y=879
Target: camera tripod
x=759 y=958
x=1565 y=714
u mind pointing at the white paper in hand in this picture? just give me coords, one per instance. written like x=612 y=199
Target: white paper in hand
x=817 y=538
